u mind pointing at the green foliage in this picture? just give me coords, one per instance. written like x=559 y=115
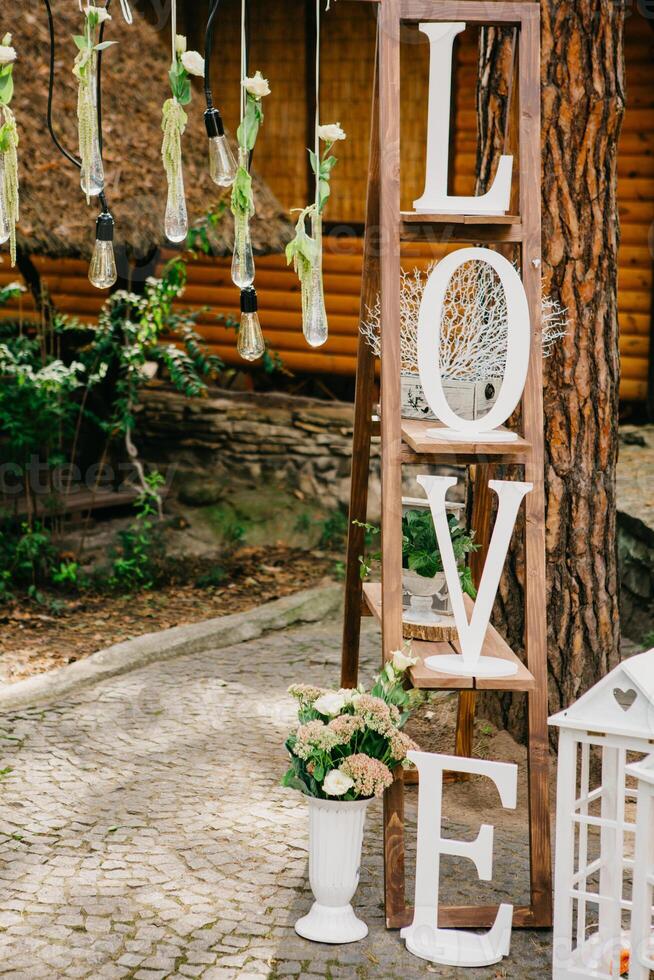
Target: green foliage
x=242 y=197
x=322 y=170
x=180 y=83
x=137 y=560
x=334 y=531
x=213 y=578
x=420 y=551
x=248 y=129
x=648 y=641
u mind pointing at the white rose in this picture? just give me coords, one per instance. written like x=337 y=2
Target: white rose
x=336 y=783
x=348 y=694
x=7 y=54
x=180 y=43
x=194 y=63
x=401 y=661
x=257 y=85
x=101 y=12
x=330 y=703
x=331 y=132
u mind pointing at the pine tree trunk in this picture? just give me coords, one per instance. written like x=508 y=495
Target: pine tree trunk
x=582 y=105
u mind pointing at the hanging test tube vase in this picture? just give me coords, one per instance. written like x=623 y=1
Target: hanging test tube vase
x=5 y=225
x=243 y=258
x=176 y=217
x=92 y=170
x=314 y=318
x=173 y=125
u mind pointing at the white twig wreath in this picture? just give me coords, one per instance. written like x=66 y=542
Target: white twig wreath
x=474 y=326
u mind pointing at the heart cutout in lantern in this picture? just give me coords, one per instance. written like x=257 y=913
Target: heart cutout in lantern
x=624 y=698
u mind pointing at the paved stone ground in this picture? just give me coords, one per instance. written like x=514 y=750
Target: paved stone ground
x=143 y=832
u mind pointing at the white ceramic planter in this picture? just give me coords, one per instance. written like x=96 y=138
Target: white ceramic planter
x=335 y=839
x=422 y=591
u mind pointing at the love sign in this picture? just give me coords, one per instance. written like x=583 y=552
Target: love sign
x=471 y=663
x=454 y=947
x=517 y=351
x=435 y=199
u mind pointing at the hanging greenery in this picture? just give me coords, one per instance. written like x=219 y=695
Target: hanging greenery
x=173 y=123
x=85 y=71
x=9 y=204
x=242 y=203
x=305 y=250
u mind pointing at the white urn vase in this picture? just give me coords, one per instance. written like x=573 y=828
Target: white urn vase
x=421 y=596
x=335 y=839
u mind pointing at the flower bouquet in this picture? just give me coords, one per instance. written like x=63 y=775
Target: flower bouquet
x=342 y=755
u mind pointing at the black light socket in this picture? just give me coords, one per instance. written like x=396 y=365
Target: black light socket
x=249 y=300
x=214 y=123
x=104 y=227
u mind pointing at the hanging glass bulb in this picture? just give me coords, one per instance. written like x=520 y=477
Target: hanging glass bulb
x=243 y=259
x=222 y=163
x=176 y=219
x=92 y=183
x=314 y=323
x=102 y=270
x=5 y=226
x=250 y=344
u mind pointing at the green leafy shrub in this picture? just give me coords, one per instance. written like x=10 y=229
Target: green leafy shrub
x=137 y=561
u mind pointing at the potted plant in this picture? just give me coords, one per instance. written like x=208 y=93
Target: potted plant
x=422 y=565
x=342 y=753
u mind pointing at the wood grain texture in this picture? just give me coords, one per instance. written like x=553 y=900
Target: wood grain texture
x=363 y=404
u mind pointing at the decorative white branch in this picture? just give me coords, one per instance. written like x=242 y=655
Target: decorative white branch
x=474 y=325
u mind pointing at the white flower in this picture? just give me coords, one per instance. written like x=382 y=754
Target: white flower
x=257 y=86
x=6 y=41
x=401 y=660
x=348 y=694
x=101 y=13
x=194 y=63
x=330 y=703
x=331 y=132
x=336 y=783
x=180 y=44
x=7 y=54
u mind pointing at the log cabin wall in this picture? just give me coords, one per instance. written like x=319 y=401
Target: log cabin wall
x=278 y=49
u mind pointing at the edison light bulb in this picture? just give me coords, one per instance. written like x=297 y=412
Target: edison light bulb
x=102 y=271
x=176 y=219
x=222 y=163
x=250 y=344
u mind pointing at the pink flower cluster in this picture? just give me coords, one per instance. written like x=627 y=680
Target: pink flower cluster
x=306 y=694
x=370 y=776
x=345 y=727
x=314 y=735
x=401 y=744
x=377 y=715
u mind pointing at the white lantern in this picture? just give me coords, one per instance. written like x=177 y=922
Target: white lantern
x=642 y=934
x=595 y=821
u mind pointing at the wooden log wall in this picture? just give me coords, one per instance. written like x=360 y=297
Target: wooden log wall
x=347 y=68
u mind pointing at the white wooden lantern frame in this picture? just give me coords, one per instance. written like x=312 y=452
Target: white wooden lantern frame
x=642 y=917
x=595 y=829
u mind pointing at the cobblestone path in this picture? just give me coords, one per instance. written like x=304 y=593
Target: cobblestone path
x=144 y=834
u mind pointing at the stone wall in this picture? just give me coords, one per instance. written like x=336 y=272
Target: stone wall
x=302 y=444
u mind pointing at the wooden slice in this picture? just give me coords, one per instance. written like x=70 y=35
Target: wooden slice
x=432 y=631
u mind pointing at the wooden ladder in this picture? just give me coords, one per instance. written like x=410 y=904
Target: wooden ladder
x=405 y=441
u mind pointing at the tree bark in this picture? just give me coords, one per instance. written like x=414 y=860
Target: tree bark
x=582 y=74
